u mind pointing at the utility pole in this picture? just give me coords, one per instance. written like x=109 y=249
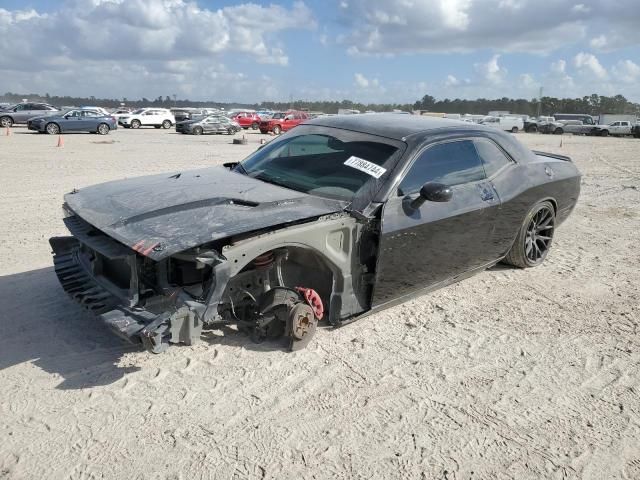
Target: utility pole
x=174 y=99
x=539 y=102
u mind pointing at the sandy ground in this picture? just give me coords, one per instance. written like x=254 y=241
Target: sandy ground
x=511 y=374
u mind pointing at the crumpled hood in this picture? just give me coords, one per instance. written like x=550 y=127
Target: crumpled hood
x=160 y=215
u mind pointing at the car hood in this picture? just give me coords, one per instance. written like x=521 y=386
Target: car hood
x=160 y=215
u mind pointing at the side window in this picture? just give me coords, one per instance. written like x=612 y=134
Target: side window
x=451 y=163
x=21 y=107
x=492 y=157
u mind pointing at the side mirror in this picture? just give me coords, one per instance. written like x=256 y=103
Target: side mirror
x=432 y=192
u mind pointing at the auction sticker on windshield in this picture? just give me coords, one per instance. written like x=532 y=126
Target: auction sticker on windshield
x=376 y=171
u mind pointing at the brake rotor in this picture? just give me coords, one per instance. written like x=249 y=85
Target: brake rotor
x=302 y=326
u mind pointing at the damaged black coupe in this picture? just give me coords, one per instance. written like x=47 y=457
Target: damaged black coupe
x=340 y=217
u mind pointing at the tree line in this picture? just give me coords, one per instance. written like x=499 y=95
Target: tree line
x=593 y=104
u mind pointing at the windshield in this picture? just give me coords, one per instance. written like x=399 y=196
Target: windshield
x=320 y=164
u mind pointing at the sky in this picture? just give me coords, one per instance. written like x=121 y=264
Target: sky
x=372 y=51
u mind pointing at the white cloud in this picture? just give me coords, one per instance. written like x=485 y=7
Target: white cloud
x=599 y=42
x=580 y=8
x=379 y=27
x=559 y=67
x=627 y=71
x=451 y=81
x=361 y=80
x=491 y=72
x=165 y=43
x=589 y=64
x=454 y=13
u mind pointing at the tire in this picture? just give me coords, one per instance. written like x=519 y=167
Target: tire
x=197 y=131
x=231 y=131
x=254 y=126
x=103 y=129
x=558 y=131
x=135 y=124
x=166 y=124
x=277 y=129
x=604 y=133
x=6 y=122
x=530 y=247
x=514 y=130
x=533 y=129
x=52 y=128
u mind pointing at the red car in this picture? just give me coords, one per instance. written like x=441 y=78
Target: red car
x=247 y=119
x=283 y=121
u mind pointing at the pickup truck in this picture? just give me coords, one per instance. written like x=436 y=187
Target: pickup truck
x=615 y=128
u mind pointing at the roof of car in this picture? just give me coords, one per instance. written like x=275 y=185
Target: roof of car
x=390 y=125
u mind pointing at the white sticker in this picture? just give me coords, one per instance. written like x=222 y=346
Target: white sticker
x=376 y=171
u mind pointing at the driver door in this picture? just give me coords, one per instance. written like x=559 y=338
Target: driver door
x=71 y=121
x=437 y=241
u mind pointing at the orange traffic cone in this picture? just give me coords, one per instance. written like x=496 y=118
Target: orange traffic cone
x=8 y=133
x=60 y=141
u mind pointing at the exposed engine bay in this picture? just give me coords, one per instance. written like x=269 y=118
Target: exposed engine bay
x=267 y=285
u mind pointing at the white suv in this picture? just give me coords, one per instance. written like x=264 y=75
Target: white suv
x=156 y=117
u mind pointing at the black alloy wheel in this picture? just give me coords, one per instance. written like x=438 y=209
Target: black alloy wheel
x=534 y=239
x=539 y=234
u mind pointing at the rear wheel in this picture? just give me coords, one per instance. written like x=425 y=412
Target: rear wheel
x=231 y=131
x=604 y=133
x=514 y=130
x=6 y=122
x=52 y=128
x=534 y=237
x=254 y=126
x=558 y=131
x=103 y=129
x=135 y=124
x=166 y=124
x=197 y=131
x=277 y=129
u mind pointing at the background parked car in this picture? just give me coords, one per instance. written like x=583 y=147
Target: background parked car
x=22 y=112
x=576 y=127
x=153 y=117
x=182 y=114
x=247 y=120
x=508 y=124
x=208 y=124
x=283 y=121
x=550 y=125
x=77 y=120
